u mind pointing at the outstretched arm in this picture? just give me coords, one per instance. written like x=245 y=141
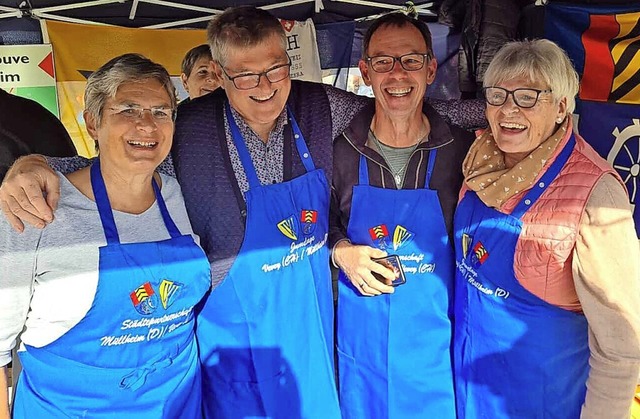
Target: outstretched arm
x=31 y=189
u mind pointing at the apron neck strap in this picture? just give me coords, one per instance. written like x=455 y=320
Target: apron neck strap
x=245 y=156
x=243 y=151
x=103 y=204
x=106 y=214
x=552 y=172
x=301 y=144
x=363 y=171
x=166 y=217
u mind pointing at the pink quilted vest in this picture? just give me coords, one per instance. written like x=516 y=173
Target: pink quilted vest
x=544 y=252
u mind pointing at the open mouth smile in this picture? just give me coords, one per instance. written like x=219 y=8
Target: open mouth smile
x=512 y=126
x=143 y=144
x=398 y=91
x=262 y=99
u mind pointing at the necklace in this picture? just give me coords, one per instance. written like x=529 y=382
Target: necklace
x=406 y=153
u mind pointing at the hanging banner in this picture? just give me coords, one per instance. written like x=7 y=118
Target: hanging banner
x=27 y=71
x=604 y=46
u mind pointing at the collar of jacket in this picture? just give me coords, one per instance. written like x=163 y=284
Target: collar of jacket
x=358 y=130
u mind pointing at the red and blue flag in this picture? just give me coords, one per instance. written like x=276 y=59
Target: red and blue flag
x=604 y=45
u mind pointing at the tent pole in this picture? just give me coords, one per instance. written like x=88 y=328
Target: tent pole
x=284 y=4
x=76 y=6
x=67 y=19
x=134 y=8
x=12 y=14
x=182 y=6
x=181 y=22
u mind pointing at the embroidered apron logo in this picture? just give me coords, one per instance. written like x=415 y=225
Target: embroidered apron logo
x=479 y=255
x=288 y=227
x=466 y=243
x=379 y=234
x=309 y=219
x=476 y=258
x=411 y=263
x=144 y=299
x=401 y=236
x=298 y=250
x=169 y=292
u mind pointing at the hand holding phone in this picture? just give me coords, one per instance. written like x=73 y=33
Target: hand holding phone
x=392 y=262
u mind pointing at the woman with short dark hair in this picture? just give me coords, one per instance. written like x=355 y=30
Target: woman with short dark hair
x=198 y=77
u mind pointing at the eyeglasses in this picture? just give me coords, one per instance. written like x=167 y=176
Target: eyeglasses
x=249 y=81
x=135 y=112
x=524 y=98
x=410 y=62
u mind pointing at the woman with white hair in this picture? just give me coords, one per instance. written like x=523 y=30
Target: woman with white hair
x=546 y=305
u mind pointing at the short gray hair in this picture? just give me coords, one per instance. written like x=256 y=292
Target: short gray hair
x=241 y=27
x=539 y=60
x=128 y=68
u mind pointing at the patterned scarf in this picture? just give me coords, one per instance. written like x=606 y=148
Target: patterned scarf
x=485 y=172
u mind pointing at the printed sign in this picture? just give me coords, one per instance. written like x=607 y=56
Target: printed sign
x=28 y=71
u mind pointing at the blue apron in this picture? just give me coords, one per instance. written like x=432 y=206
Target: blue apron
x=134 y=354
x=515 y=355
x=265 y=333
x=394 y=350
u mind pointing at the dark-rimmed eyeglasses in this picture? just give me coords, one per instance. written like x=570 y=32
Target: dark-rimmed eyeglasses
x=523 y=97
x=252 y=80
x=135 y=112
x=409 y=62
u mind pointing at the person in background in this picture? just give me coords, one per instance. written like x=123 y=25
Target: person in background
x=547 y=289
x=254 y=160
x=395 y=186
x=197 y=75
x=26 y=127
x=106 y=293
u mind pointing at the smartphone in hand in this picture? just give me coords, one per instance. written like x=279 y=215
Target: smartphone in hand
x=392 y=262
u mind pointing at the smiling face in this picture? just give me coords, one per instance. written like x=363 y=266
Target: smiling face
x=201 y=80
x=398 y=92
x=518 y=131
x=260 y=106
x=129 y=144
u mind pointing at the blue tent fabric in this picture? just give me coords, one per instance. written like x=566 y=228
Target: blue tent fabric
x=19 y=31
x=333 y=50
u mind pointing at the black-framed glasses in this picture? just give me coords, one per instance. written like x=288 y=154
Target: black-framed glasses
x=523 y=97
x=249 y=81
x=410 y=62
x=135 y=112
